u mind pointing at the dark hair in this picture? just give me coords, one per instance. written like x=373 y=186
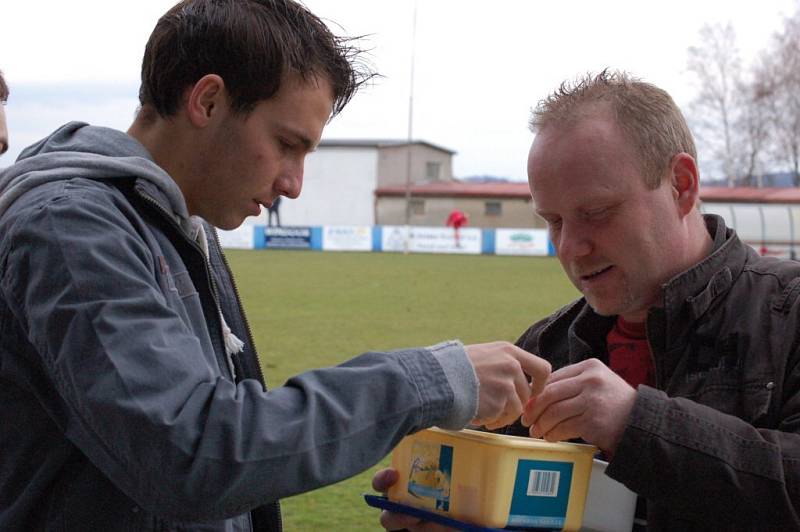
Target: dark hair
x=646 y=114
x=252 y=45
x=4 y=92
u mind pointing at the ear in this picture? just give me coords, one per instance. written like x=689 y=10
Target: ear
x=206 y=99
x=685 y=180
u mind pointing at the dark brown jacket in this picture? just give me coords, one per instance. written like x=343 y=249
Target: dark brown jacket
x=715 y=445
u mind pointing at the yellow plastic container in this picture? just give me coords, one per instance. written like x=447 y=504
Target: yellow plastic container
x=493 y=480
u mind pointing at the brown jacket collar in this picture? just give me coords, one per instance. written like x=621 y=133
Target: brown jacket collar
x=687 y=297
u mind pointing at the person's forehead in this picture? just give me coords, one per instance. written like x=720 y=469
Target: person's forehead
x=590 y=148
x=591 y=162
x=595 y=124
x=300 y=107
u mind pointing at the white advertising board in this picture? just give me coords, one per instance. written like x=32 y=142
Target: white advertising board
x=521 y=242
x=431 y=239
x=347 y=238
x=239 y=238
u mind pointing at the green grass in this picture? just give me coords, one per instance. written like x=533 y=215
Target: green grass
x=310 y=310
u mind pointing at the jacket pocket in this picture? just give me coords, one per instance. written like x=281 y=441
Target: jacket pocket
x=182 y=296
x=184 y=285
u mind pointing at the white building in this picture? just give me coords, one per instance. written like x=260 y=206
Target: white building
x=342 y=175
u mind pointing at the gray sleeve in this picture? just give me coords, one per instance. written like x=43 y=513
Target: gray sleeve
x=463 y=381
x=142 y=401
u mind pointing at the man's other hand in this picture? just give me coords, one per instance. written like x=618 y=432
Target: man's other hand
x=585 y=400
x=382 y=481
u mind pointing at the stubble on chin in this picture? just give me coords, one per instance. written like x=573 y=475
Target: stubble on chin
x=623 y=303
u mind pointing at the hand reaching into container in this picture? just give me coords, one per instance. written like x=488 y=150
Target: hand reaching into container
x=585 y=400
x=501 y=368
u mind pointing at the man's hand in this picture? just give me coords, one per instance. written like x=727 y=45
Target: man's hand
x=501 y=368
x=585 y=400
x=382 y=480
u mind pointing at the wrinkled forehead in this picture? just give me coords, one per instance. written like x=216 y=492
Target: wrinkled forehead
x=588 y=160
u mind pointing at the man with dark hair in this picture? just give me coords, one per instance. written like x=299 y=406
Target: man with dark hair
x=132 y=397
x=681 y=361
x=3 y=127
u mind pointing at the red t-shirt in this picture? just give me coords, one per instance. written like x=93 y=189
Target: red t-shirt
x=629 y=353
x=457 y=219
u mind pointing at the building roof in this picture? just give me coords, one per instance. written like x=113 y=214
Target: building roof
x=750 y=194
x=458 y=189
x=519 y=189
x=379 y=143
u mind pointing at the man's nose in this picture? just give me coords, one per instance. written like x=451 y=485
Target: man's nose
x=573 y=242
x=290 y=184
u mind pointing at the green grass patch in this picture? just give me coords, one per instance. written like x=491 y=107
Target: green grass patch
x=309 y=310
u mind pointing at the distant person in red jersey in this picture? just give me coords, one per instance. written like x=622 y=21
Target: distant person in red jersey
x=456 y=220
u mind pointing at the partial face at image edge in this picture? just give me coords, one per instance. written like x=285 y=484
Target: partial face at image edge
x=3 y=129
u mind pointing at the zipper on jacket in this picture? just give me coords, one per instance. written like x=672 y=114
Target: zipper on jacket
x=260 y=372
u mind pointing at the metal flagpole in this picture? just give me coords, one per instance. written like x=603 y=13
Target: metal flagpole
x=410 y=130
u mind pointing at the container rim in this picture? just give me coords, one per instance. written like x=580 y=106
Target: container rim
x=519 y=442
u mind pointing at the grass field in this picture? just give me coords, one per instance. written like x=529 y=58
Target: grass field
x=309 y=310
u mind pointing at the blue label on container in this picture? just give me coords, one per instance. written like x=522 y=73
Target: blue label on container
x=430 y=473
x=541 y=494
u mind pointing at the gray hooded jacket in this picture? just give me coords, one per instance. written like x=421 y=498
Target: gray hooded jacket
x=118 y=401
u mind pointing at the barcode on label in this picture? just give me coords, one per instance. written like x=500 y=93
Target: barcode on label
x=543 y=483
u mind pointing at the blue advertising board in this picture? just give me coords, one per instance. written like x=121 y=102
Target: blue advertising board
x=287 y=237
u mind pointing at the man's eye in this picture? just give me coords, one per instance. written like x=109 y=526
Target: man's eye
x=597 y=213
x=554 y=224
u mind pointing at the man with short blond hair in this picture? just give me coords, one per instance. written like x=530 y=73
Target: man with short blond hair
x=681 y=361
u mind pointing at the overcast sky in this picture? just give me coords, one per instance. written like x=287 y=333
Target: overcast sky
x=480 y=65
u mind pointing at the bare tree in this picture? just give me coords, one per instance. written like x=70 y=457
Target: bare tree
x=715 y=62
x=753 y=125
x=782 y=76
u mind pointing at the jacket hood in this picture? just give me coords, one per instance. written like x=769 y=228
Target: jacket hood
x=77 y=149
